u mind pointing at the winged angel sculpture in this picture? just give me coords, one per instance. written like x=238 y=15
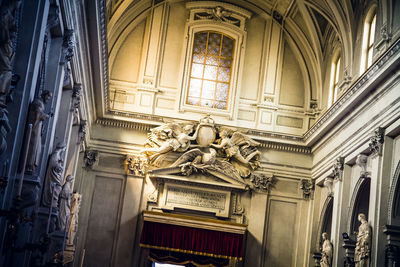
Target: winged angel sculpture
x=166 y=138
x=233 y=155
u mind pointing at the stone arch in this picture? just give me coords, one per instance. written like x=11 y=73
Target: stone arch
x=325 y=221
x=393 y=215
x=359 y=203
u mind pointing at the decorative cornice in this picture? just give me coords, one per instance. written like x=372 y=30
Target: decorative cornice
x=140 y=116
x=345 y=98
x=104 y=50
x=285 y=147
x=147 y=127
x=125 y=124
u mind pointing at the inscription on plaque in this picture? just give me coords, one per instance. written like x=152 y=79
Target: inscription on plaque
x=186 y=196
x=209 y=200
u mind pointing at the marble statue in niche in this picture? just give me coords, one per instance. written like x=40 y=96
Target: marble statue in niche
x=36 y=117
x=327 y=251
x=54 y=180
x=8 y=29
x=363 y=245
x=74 y=215
x=64 y=205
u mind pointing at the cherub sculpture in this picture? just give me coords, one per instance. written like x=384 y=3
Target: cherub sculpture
x=170 y=137
x=234 y=146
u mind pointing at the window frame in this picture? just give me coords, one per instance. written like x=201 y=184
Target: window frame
x=205 y=79
x=334 y=79
x=369 y=29
x=239 y=37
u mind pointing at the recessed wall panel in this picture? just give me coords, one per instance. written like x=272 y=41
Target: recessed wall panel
x=280 y=238
x=103 y=220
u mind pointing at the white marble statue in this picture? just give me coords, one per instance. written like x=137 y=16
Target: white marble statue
x=169 y=137
x=36 y=117
x=64 y=205
x=74 y=215
x=363 y=245
x=54 y=180
x=327 y=251
x=231 y=145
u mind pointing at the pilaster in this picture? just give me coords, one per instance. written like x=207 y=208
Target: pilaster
x=340 y=207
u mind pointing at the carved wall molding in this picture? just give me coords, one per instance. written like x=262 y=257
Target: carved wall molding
x=264 y=144
x=125 y=124
x=76 y=95
x=308 y=187
x=53 y=19
x=82 y=131
x=218 y=11
x=286 y=147
x=237 y=207
x=376 y=141
x=68 y=45
x=91 y=158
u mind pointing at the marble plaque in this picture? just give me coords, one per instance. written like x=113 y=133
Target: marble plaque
x=194 y=198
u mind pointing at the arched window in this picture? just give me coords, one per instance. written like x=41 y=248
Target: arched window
x=211 y=67
x=334 y=81
x=368 y=41
x=216 y=43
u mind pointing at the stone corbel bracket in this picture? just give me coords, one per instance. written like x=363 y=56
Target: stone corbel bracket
x=91 y=158
x=136 y=165
x=338 y=167
x=308 y=187
x=362 y=162
x=262 y=182
x=328 y=183
x=376 y=141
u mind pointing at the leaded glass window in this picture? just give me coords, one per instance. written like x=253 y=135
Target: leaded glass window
x=210 y=73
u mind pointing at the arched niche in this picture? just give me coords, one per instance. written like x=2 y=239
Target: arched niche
x=394 y=199
x=325 y=222
x=359 y=203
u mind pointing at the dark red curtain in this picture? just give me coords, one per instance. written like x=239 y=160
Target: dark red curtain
x=192 y=240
